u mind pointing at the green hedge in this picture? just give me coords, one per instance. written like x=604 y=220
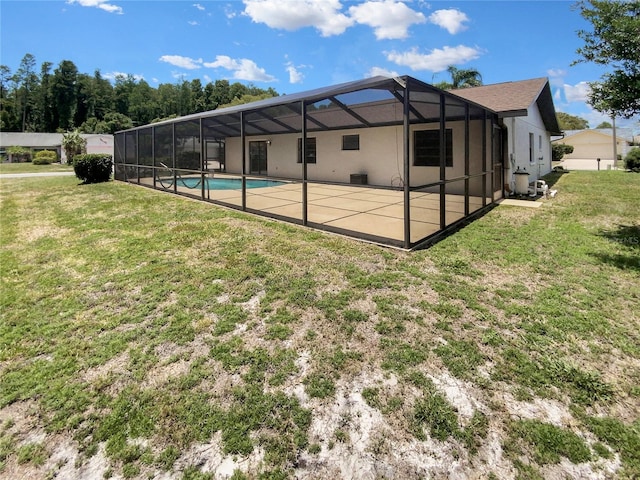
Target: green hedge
x=559 y=150
x=45 y=157
x=632 y=160
x=93 y=167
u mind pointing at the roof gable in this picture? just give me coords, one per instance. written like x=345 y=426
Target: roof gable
x=602 y=132
x=513 y=99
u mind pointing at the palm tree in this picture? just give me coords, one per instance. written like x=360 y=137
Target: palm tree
x=461 y=78
x=73 y=144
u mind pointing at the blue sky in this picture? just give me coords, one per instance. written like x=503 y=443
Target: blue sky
x=296 y=45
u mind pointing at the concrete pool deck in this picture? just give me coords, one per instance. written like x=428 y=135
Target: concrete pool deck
x=375 y=212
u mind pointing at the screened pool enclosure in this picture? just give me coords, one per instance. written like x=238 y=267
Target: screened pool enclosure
x=390 y=160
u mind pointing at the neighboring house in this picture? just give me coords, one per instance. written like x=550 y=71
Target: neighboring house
x=527 y=112
x=96 y=143
x=392 y=160
x=595 y=143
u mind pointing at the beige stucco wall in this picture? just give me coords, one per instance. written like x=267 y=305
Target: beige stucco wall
x=590 y=145
x=380 y=155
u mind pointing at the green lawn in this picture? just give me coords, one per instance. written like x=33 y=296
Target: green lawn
x=143 y=334
x=31 y=168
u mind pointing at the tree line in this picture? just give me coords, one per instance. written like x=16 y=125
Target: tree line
x=61 y=99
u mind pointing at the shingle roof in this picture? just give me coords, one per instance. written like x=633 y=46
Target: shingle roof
x=512 y=99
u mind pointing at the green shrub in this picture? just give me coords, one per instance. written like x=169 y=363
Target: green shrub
x=632 y=160
x=93 y=167
x=45 y=157
x=558 y=150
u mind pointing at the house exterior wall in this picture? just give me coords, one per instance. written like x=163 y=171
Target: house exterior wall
x=590 y=145
x=380 y=156
x=99 y=143
x=333 y=163
x=536 y=161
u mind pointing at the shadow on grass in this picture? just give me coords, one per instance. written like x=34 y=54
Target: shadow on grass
x=552 y=177
x=628 y=239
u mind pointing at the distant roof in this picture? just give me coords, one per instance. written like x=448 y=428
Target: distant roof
x=621 y=133
x=512 y=99
x=21 y=139
x=38 y=140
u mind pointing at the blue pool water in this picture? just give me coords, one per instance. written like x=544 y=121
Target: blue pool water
x=227 y=183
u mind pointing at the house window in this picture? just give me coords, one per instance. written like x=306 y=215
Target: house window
x=426 y=148
x=531 y=147
x=311 y=150
x=351 y=142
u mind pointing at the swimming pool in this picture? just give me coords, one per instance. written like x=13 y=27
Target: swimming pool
x=221 y=183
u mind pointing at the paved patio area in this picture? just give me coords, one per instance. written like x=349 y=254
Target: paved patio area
x=368 y=210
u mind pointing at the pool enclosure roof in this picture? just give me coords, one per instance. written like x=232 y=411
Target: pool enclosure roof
x=371 y=102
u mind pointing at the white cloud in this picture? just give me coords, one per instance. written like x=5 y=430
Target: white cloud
x=198 y=6
x=182 y=62
x=375 y=71
x=102 y=4
x=577 y=93
x=322 y=14
x=207 y=78
x=243 y=69
x=451 y=20
x=556 y=77
x=193 y=23
x=436 y=61
x=229 y=12
x=556 y=72
x=390 y=19
x=595 y=118
x=295 y=75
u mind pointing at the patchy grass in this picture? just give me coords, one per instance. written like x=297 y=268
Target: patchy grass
x=547 y=442
x=622 y=438
x=144 y=329
x=33 y=453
